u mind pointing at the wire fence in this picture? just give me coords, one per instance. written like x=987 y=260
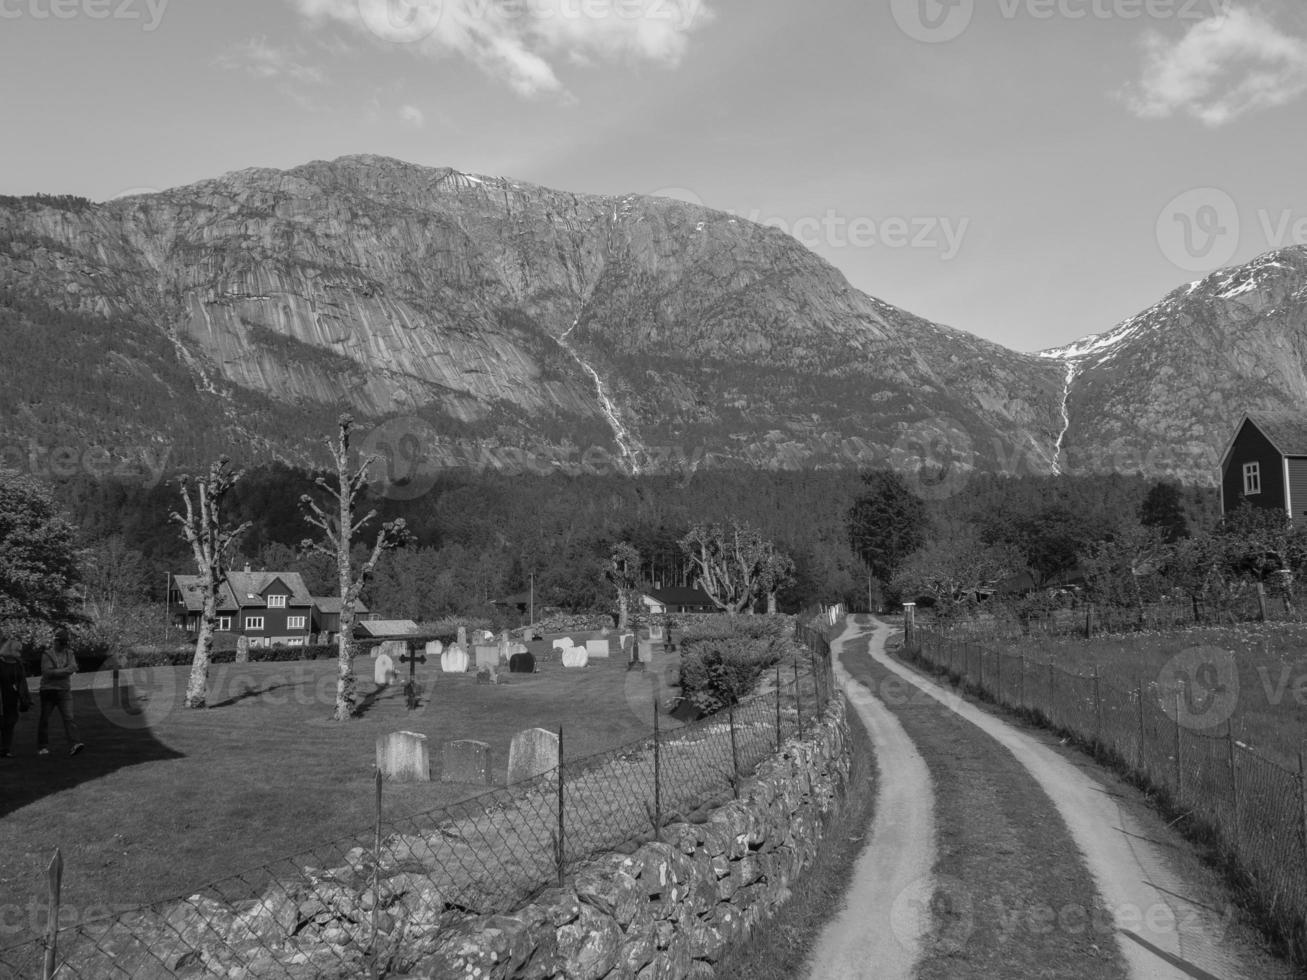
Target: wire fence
x=374 y=903
x=1253 y=809
x=999 y=620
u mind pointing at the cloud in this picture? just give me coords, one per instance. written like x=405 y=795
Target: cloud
x=1222 y=68
x=519 y=41
x=411 y=115
x=262 y=59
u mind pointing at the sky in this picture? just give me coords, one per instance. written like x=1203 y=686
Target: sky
x=1031 y=171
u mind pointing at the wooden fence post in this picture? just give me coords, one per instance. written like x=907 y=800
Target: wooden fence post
x=376 y=884
x=735 y=755
x=1022 y=693
x=1098 y=709
x=1302 y=787
x=658 y=777
x=778 y=706
x=1089 y=620
x=798 y=699
x=1052 y=693
x=1139 y=753
x=54 y=879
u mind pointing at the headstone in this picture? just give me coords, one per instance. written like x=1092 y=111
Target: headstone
x=532 y=753
x=562 y=643
x=403 y=757
x=454 y=660
x=646 y=651
x=485 y=636
x=435 y=648
x=487 y=656
x=627 y=641
x=597 y=649
x=487 y=675
x=465 y=761
x=575 y=657
x=242 y=649
x=462 y=637
x=522 y=663
x=657 y=631
x=383 y=670
x=503 y=646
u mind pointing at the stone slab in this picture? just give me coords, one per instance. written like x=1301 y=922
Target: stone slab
x=532 y=753
x=465 y=761
x=404 y=757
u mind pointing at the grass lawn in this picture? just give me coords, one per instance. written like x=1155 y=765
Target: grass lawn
x=1271 y=710
x=169 y=799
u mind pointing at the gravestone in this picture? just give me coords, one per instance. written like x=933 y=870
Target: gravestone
x=242 y=649
x=454 y=660
x=562 y=643
x=487 y=675
x=516 y=648
x=503 y=646
x=435 y=648
x=465 y=761
x=462 y=637
x=394 y=649
x=575 y=657
x=532 y=753
x=657 y=632
x=627 y=641
x=522 y=663
x=597 y=649
x=487 y=656
x=403 y=757
x=645 y=651
x=383 y=670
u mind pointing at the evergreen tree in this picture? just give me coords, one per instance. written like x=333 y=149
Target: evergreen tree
x=1163 y=508
x=886 y=523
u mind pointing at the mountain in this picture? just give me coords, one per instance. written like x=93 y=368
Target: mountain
x=1162 y=392
x=482 y=321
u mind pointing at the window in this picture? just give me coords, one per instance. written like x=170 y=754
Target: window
x=254 y=622
x=224 y=624
x=295 y=622
x=1252 y=478
x=276 y=602
x=295 y=641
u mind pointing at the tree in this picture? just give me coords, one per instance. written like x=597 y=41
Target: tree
x=1118 y=568
x=113 y=574
x=955 y=570
x=886 y=523
x=1262 y=543
x=211 y=542
x=338 y=530
x=730 y=563
x=622 y=569
x=777 y=574
x=38 y=565
x=1164 y=508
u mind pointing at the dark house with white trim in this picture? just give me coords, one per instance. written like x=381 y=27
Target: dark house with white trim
x=268 y=607
x=1265 y=464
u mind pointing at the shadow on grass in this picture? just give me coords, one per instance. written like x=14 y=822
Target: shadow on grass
x=116 y=736
x=249 y=692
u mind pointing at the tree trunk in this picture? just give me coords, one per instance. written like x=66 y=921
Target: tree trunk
x=345 y=701
x=197 y=688
x=771 y=603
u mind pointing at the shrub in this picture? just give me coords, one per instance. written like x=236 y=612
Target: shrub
x=719 y=672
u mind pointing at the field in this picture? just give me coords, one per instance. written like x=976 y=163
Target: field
x=168 y=799
x=1268 y=695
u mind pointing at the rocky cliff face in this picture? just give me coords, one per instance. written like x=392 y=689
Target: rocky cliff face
x=261 y=303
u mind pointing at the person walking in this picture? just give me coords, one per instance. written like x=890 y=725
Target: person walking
x=14 y=694
x=57 y=669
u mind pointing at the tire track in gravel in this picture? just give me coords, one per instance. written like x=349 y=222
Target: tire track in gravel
x=1012 y=896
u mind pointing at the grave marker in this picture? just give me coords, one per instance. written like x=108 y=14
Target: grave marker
x=597 y=649
x=465 y=761
x=487 y=656
x=532 y=753
x=522 y=663
x=454 y=660
x=403 y=757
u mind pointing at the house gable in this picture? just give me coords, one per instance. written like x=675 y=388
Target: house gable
x=1252 y=459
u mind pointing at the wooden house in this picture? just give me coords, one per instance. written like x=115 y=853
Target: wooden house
x=1265 y=464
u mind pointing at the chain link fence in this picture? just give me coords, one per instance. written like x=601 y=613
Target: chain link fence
x=373 y=904
x=1253 y=809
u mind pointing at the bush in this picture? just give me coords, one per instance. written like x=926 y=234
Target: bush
x=716 y=672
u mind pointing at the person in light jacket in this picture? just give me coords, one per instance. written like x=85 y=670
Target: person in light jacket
x=14 y=695
x=57 y=669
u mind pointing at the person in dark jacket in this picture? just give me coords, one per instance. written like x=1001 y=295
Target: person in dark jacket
x=14 y=695
x=57 y=669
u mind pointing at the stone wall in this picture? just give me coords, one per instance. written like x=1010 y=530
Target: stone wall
x=667 y=910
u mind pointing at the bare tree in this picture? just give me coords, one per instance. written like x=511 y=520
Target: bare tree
x=210 y=543
x=622 y=569
x=338 y=530
x=730 y=564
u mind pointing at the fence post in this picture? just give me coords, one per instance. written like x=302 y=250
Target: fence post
x=778 y=706
x=376 y=884
x=816 y=681
x=55 y=878
x=1098 y=709
x=798 y=699
x=735 y=755
x=1261 y=601
x=1302 y=792
x=998 y=682
x=1179 y=771
x=1089 y=620
x=658 y=773
x=1139 y=754
x=562 y=826
x=1234 y=776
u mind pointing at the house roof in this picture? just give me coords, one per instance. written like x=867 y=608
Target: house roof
x=238 y=587
x=380 y=628
x=332 y=604
x=680 y=596
x=1287 y=432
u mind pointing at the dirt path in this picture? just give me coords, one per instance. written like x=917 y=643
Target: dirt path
x=879 y=932
x=1163 y=928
